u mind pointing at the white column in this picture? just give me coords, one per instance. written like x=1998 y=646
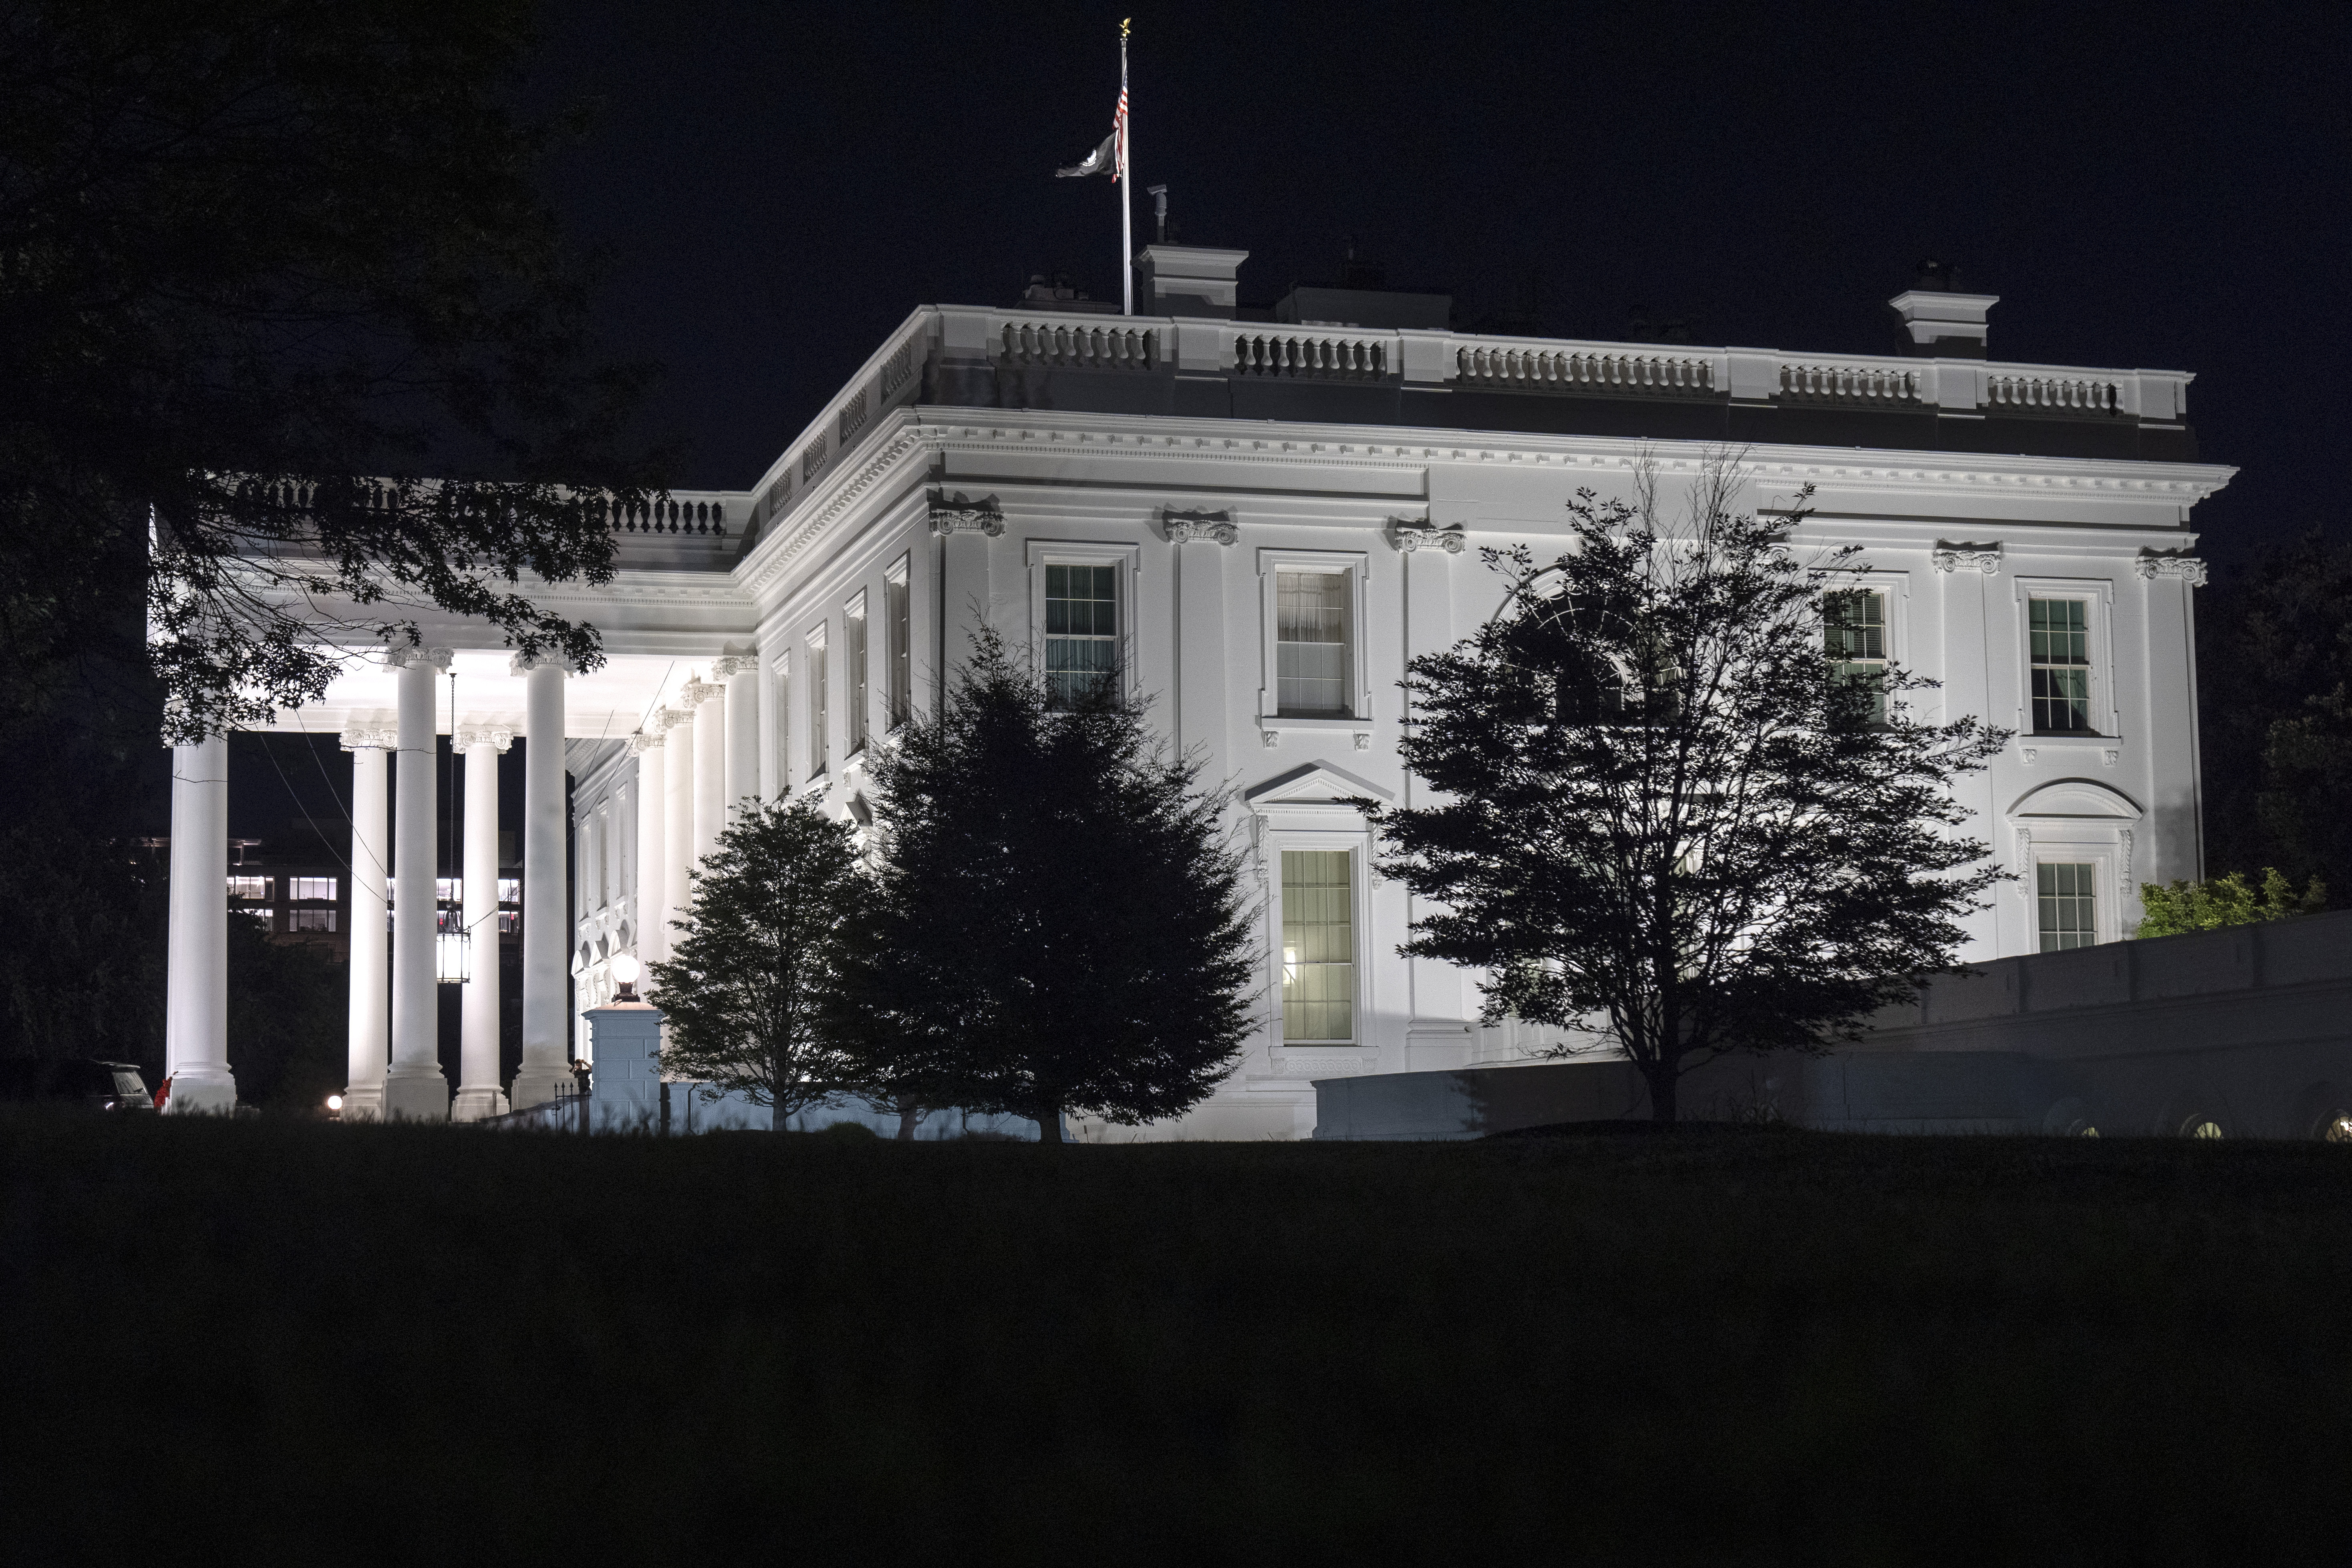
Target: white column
x=709 y=763
x=370 y=1040
x=740 y=672
x=196 y=1019
x=649 y=927
x=478 y=1094
x=414 y=1087
x=546 y=928
x=677 y=817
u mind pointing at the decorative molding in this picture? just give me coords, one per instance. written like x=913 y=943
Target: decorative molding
x=1984 y=558
x=399 y=657
x=735 y=664
x=468 y=736
x=1409 y=534
x=696 y=691
x=1217 y=527
x=2030 y=754
x=2110 y=757
x=379 y=736
x=1363 y=741
x=2180 y=564
x=669 y=718
x=545 y=658
x=644 y=741
x=1273 y=739
x=960 y=513
x=2124 y=863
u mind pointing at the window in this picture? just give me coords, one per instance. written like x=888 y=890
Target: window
x=2068 y=905
x=2061 y=635
x=1311 y=662
x=311 y=888
x=510 y=889
x=309 y=920
x=1081 y=631
x=248 y=887
x=1318 y=947
x=784 y=729
x=853 y=658
x=262 y=912
x=820 y=753
x=447 y=887
x=1855 y=627
x=896 y=606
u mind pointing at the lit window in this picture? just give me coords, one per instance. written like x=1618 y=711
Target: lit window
x=449 y=888
x=1311 y=644
x=510 y=889
x=1318 y=946
x=311 y=888
x=2061 y=634
x=509 y=921
x=264 y=913
x=897 y=607
x=248 y=887
x=853 y=658
x=2203 y=1127
x=2068 y=905
x=309 y=920
x=1081 y=631
x=820 y=753
x=1855 y=632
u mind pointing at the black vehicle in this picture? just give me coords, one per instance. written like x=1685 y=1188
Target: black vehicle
x=92 y=1085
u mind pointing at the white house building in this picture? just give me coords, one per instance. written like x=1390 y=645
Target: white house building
x=1264 y=520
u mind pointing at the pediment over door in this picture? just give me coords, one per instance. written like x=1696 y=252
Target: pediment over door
x=1317 y=794
x=2077 y=798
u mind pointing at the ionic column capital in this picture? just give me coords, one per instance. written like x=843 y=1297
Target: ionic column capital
x=400 y=655
x=481 y=733
x=545 y=658
x=647 y=739
x=695 y=693
x=735 y=664
x=369 y=735
x=669 y=718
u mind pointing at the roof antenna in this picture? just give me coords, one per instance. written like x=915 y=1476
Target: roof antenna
x=1159 y=213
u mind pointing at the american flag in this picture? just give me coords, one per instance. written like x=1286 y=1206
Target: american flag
x=1111 y=158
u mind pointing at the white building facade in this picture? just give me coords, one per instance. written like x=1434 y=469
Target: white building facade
x=1258 y=524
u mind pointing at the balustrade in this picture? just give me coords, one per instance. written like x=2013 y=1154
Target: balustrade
x=1077 y=345
x=1311 y=358
x=1849 y=383
x=2053 y=395
x=1585 y=370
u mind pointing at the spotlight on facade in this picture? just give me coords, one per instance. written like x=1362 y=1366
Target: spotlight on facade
x=453 y=958
x=626 y=970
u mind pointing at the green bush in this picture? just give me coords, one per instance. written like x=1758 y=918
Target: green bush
x=2178 y=907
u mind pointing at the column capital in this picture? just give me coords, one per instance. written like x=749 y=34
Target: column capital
x=671 y=718
x=480 y=732
x=401 y=656
x=369 y=735
x=1412 y=533
x=1984 y=558
x=2154 y=563
x=695 y=693
x=735 y=664
x=1216 y=527
x=960 y=513
x=545 y=658
x=647 y=739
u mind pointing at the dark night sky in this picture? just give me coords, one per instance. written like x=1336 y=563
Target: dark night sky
x=773 y=187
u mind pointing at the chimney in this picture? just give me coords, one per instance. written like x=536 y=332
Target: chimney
x=1188 y=281
x=1942 y=322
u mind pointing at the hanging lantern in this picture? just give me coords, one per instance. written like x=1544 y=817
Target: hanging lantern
x=453 y=957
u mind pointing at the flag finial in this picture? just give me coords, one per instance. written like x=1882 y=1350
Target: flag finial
x=1123 y=21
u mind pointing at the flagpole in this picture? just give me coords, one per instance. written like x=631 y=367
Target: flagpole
x=1126 y=229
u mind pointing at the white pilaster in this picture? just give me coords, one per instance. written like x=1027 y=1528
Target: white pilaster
x=478 y=1094
x=546 y=942
x=414 y=1087
x=709 y=763
x=370 y=1040
x=677 y=817
x=742 y=673
x=196 y=1019
x=651 y=926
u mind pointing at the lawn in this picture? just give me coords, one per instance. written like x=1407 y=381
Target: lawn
x=1735 y=1346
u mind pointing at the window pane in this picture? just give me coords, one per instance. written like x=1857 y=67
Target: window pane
x=1854 y=635
x=1081 y=630
x=2060 y=635
x=1319 y=945
x=2067 y=904
x=1311 y=655
x=902 y=686
x=819 y=752
x=854 y=658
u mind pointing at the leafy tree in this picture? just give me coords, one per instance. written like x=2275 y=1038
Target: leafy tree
x=288 y=1012
x=1061 y=926
x=248 y=250
x=2172 y=908
x=2274 y=699
x=749 y=986
x=1666 y=818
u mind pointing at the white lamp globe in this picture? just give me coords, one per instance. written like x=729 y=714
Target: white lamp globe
x=626 y=969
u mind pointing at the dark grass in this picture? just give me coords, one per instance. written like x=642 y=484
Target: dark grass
x=297 y=1340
